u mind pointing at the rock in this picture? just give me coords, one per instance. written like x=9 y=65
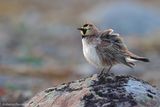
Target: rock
x=107 y=91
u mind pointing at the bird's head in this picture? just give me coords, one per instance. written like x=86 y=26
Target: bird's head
x=88 y=30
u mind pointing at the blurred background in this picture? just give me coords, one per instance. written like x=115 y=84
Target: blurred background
x=40 y=46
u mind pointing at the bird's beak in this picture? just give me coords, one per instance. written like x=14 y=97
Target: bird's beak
x=80 y=29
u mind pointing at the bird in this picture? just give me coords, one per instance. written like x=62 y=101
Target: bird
x=104 y=49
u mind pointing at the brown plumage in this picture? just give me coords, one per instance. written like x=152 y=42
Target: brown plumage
x=113 y=50
x=105 y=48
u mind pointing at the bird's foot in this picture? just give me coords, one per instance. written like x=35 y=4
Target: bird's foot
x=102 y=75
x=105 y=77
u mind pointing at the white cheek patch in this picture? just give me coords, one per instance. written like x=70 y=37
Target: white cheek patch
x=87 y=32
x=82 y=32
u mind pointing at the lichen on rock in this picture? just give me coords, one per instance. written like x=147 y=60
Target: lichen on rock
x=109 y=91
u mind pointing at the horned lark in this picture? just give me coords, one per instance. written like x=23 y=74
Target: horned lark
x=104 y=48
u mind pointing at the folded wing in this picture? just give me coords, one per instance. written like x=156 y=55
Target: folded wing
x=112 y=48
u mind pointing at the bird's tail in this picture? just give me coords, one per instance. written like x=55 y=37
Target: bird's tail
x=140 y=58
x=137 y=58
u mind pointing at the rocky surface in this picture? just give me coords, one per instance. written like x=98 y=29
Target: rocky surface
x=107 y=91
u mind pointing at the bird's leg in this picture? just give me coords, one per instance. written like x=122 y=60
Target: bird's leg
x=108 y=69
x=101 y=72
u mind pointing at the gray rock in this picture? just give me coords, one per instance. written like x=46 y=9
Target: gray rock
x=107 y=91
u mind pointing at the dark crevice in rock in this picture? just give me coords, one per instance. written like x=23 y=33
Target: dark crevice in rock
x=149 y=95
x=151 y=92
x=64 y=88
x=49 y=90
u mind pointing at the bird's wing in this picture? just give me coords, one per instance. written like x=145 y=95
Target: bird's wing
x=113 y=47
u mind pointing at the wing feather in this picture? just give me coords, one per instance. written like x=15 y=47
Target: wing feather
x=113 y=48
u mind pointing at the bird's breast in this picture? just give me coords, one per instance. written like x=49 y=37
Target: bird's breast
x=90 y=53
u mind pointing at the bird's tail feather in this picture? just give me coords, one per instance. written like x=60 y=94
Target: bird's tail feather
x=140 y=58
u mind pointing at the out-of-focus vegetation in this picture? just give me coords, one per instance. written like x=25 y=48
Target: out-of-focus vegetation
x=40 y=46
